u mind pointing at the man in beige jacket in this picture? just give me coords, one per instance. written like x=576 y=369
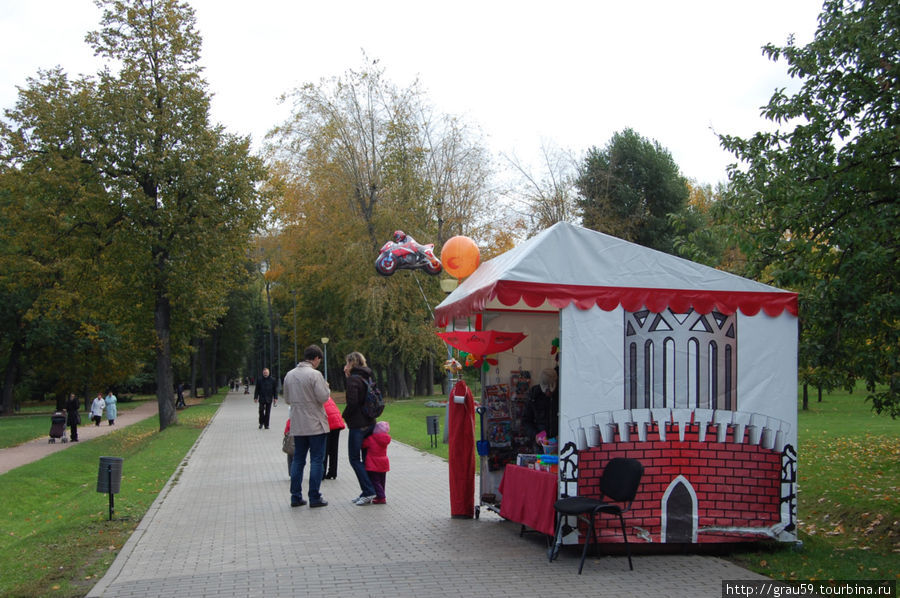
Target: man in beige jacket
x=306 y=391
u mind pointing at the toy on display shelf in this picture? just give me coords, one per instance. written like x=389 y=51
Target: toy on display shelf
x=550 y=445
x=519 y=384
x=452 y=366
x=496 y=401
x=478 y=361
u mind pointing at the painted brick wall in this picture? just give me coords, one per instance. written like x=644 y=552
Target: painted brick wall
x=736 y=485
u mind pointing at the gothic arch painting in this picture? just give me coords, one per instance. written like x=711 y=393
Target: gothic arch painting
x=680 y=360
x=679 y=512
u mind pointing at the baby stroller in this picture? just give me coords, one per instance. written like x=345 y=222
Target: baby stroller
x=58 y=427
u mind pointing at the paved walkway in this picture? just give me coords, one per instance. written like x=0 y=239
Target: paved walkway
x=25 y=453
x=223 y=526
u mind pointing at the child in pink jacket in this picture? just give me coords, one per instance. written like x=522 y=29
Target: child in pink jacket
x=377 y=464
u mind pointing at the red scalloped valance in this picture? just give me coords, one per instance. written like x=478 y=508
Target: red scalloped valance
x=534 y=294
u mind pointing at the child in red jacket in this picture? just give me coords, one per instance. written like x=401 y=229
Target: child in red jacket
x=377 y=464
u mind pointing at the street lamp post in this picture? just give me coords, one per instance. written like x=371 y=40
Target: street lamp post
x=325 y=343
x=294 y=295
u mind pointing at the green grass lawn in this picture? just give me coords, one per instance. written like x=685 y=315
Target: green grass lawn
x=849 y=496
x=55 y=535
x=33 y=421
x=407 y=419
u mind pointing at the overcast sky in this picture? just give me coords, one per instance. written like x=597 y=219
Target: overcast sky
x=567 y=73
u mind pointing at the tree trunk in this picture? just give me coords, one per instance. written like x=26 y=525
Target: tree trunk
x=9 y=377
x=211 y=357
x=397 y=385
x=425 y=378
x=271 y=333
x=165 y=389
x=205 y=374
x=194 y=343
x=806 y=397
x=819 y=388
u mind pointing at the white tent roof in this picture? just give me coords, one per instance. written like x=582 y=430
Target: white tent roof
x=567 y=263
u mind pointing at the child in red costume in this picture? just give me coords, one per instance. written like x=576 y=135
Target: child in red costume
x=461 y=439
x=377 y=463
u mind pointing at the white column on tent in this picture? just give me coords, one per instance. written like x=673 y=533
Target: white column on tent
x=658 y=374
x=757 y=423
x=740 y=421
x=703 y=417
x=682 y=417
x=641 y=418
x=722 y=420
x=717 y=374
x=662 y=416
x=622 y=417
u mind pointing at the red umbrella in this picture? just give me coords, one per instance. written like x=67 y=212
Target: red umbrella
x=482 y=342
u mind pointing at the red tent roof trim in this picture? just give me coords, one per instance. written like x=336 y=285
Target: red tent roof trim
x=533 y=294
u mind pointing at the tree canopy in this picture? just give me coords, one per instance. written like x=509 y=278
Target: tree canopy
x=159 y=202
x=629 y=188
x=816 y=198
x=359 y=159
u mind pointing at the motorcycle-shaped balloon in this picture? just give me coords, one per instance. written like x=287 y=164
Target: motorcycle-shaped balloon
x=407 y=255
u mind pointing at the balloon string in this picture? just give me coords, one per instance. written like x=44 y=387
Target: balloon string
x=421 y=290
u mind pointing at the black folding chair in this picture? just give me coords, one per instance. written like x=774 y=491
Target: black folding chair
x=618 y=487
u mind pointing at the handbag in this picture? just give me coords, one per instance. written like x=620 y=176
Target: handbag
x=77 y=418
x=287 y=444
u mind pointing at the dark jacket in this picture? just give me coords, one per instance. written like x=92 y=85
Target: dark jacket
x=541 y=412
x=266 y=389
x=72 y=406
x=356 y=396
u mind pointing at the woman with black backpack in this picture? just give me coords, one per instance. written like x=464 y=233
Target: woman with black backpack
x=359 y=424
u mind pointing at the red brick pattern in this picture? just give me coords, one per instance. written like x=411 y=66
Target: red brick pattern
x=736 y=485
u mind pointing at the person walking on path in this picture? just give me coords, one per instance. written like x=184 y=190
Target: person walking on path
x=336 y=424
x=97 y=408
x=377 y=463
x=73 y=418
x=266 y=393
x=306 y=391
x=359 y=425
x=112 y=410
x=179 y=396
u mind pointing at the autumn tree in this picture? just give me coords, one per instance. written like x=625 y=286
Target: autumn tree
x=701 y=233
x=547 y=194
x=629 y=188
x=358 y=159
x=818 y=196
x=176 y=196
x=58 y=333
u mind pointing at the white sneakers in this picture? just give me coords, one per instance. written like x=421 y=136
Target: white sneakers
x=363 y=500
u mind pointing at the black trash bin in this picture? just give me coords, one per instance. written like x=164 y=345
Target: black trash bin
x=109 y=477
x=431 y=423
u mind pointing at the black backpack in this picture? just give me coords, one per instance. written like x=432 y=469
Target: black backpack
x=373 y=404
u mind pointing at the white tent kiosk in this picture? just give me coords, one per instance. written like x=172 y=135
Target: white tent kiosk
x=689 y=369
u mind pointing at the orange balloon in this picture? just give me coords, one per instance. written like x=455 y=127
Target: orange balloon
x=460 y=256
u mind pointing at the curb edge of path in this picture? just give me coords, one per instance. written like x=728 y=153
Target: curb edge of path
x=119 y=563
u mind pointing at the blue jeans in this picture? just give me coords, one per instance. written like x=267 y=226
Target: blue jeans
x=354 y=449
x=315 y=445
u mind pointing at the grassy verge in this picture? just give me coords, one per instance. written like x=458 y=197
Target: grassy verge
x=34 y=421
x=407 y=419
x=55 y=537
x=849 y=497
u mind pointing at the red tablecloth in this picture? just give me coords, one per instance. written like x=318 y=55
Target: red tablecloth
x=528 y=497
